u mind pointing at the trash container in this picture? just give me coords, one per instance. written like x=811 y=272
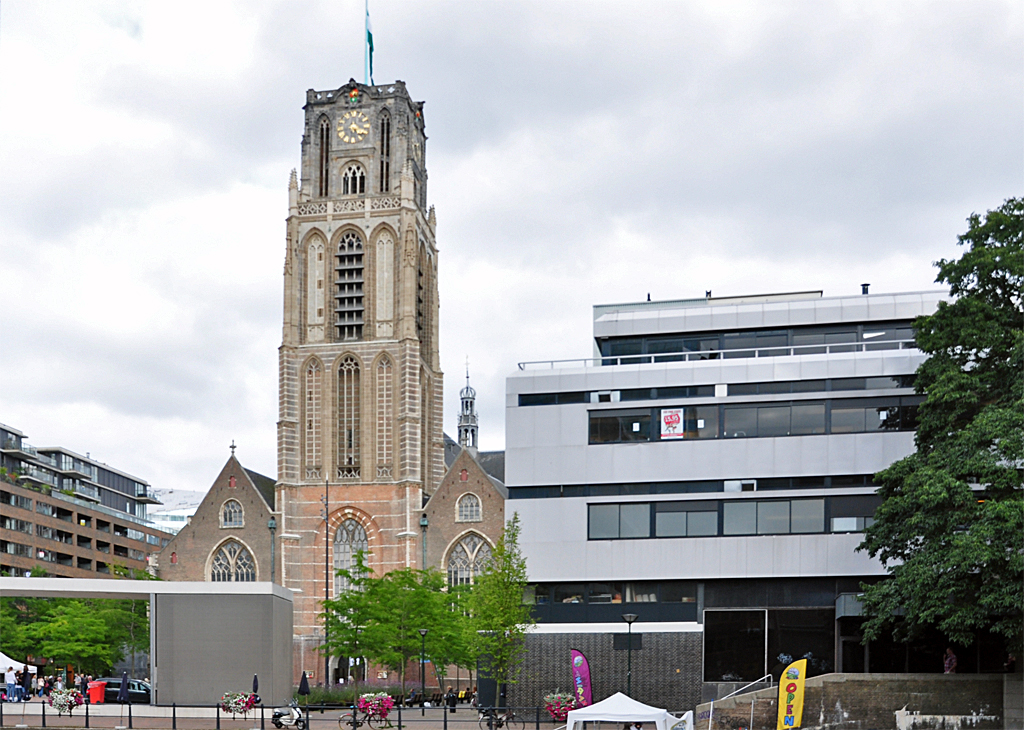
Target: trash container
x=96 y=690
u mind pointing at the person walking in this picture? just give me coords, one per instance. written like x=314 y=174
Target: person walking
x=11 y=680
x=26 y=684
x=949 y=661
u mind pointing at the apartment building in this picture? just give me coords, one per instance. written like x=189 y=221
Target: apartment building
x=69 y=514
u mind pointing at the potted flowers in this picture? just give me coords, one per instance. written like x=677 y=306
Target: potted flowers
x=558 y=704
x=65 y=700
x=238 y=703
x=376 y=705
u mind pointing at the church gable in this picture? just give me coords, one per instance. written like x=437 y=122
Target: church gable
x=465 y=519
x=225 y=537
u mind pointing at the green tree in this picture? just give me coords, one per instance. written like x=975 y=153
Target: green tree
x=451 y=638
x=74 y=633
x=499 y=616
x=949 y=529
x=404 y=602
x=350 y=613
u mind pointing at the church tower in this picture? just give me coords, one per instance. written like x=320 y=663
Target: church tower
x=467 y=416
x=360 y=442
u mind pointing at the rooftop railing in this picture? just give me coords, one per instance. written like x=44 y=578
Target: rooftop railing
x=693 y=355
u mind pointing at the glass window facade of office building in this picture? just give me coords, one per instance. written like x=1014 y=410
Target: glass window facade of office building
x=712 y=518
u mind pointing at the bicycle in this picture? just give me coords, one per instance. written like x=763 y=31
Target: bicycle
x=492 y=720
x=361 y=718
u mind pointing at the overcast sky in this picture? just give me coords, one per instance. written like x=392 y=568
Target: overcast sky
x=579 y=153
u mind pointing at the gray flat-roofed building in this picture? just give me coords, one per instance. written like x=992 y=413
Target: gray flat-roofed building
x=710 y=469
x=205 y=638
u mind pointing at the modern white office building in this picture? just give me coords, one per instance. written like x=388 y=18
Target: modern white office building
x=709 y=470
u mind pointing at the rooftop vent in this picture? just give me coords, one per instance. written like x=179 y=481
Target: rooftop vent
x=864 y=288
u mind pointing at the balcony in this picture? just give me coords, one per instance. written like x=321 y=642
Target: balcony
x=86 y=491
x=144 y=495
x=34 y=474
x=78 y=469
x=20 y=449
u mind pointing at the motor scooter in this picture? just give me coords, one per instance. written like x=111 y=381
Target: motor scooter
x=289 y=716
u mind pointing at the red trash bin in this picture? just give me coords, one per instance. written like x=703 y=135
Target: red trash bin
x=96 y=690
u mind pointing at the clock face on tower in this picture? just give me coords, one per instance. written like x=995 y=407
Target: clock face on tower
x=353 y=126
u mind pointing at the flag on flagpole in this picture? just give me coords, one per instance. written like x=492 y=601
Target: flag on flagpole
x=369 y=45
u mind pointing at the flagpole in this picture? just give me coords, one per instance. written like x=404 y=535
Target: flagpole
x=366 y=44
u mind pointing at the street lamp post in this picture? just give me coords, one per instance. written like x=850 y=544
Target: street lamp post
x=424 y=523
x=423 y=674
x=272 y=525
x=629 y=618
x=327 y=577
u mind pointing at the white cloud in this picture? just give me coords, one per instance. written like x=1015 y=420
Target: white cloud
x=579 y=154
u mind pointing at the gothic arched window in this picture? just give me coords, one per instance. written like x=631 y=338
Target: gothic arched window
x=468 y=509
x=348 y=299
x=385 y=152
x=231 y=514
x=315 y=282
x=467 y=560
x=348 y=540
x=385 y=417
x=232 y=562
x=353 y=182
x=324 y=167
x=348 y=418
x=312 y=405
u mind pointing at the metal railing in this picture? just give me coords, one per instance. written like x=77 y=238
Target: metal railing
x=771 y=683
x=742 y=352
x=314 y=717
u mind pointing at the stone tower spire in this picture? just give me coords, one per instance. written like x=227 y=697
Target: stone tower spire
x=467 y=416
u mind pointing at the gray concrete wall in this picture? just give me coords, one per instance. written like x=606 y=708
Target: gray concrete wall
x=207 y=645
x=666 y=671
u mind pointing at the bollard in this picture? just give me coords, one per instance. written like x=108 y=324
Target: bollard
x=490 y=719
x=174 y=716
x=2 y=713
x=44 y=714
x=307 y=717
x=129 y=716
x=262 y=719
x=218 y=716
x=87 y=714
x=400 y=713
x=444 y=711
x=536 y=716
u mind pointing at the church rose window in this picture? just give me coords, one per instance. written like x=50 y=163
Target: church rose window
x=348 y=419
x=469 y=508
x=233 y=562
x=231 y=514
x=467 y=560
x=348 y=540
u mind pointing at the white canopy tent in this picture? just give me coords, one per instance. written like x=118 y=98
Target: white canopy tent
x=6 y=661
x=622 y=709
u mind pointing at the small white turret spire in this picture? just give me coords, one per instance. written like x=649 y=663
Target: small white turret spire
x=467 y=415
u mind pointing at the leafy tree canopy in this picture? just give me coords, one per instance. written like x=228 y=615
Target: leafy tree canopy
x=950 y=526
x=500 y=618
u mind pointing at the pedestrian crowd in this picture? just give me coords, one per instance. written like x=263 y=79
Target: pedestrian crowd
x=22 y=685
